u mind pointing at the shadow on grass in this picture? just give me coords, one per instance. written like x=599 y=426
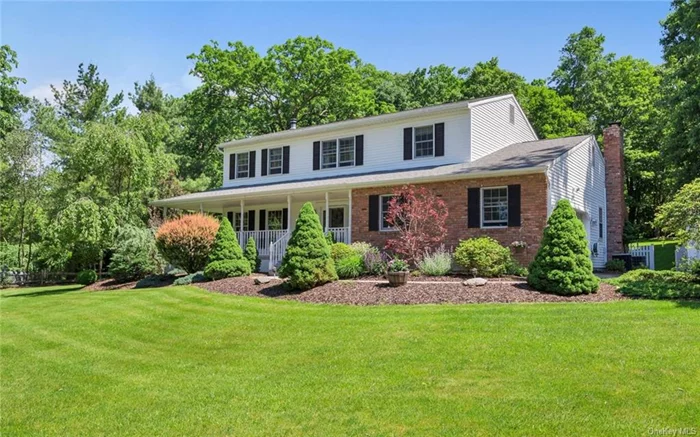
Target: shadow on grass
x=48 y=291
x=692 y=304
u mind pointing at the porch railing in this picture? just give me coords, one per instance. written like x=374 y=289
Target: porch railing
x=263 y=239
x=277 y=250
x=340 y=235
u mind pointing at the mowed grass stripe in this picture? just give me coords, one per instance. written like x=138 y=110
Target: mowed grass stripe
x=184 y=361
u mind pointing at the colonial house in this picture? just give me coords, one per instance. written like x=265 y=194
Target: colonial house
x=481 y=156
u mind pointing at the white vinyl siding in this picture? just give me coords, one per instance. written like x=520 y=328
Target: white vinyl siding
x=383 y=150
x=580 y=178
x=492 y=129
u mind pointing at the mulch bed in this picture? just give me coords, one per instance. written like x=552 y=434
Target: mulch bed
x=111 y=284
x=367 y=293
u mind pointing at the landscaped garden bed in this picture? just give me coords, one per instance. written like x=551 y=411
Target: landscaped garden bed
x=380 y=293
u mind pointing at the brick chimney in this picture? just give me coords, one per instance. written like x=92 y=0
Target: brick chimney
x=613 y=138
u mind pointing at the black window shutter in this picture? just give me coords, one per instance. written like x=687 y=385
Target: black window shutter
x=474 y=207
x=440 y=139
x=407 y=143
x=229 y=215
x=285 y=159
x=285 y=218
x=251 y=164
x=359 y=149
x=251 y=221
x=263 y=162
x=513 y=205
x=232 y=166
x=262 y=220
x=317 y=155
x=374 y=212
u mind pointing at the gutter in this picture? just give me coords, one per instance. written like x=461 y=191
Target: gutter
x=284 y=186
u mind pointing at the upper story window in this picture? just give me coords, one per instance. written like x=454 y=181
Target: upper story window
x=600 y=223
x=275 y=161
x=242 y=165
x=423 y=141
x=338 y=153
x=494 y=207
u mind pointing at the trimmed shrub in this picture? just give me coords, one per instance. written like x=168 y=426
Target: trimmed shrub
x=563 y=262
x=340 y=251
x=657 y=284
x=86 y=277
x=251 y=254
x=187 y=241
x=350 y=267
x=227 y=269
x=361 y=248
x=374 y=263
x=515 y=269
x=307 y=261
x=438 y=263
x=615 y=265
x=135 y=255
x=484 y=254
x=191 y=279
x=226 y=258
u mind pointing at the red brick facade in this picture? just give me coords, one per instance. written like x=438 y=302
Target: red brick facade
x=533 y=209
x=615 y=187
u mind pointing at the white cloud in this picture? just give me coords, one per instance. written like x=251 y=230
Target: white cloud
x=189 y=82
x=42 y=92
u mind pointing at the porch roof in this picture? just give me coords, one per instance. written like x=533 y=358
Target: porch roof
x=519 y=158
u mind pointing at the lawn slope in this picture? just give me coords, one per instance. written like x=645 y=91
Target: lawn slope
x=183 y=361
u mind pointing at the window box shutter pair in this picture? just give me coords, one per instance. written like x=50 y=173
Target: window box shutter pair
x=232 y=165
x=474 y=206
x=438 y=141
x=285 y=161
x=250 y=218
x=359 y=152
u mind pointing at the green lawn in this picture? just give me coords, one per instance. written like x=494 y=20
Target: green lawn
x=664 y=252
x=182 y=361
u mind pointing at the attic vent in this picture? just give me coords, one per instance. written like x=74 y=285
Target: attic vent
x=512 y=114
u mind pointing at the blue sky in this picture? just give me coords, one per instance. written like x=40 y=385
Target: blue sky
x=129 y=41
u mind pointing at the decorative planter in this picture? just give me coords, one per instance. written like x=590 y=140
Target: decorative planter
x=397 y=279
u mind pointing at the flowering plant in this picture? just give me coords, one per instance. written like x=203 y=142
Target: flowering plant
x=518 y=244
x=397 y=265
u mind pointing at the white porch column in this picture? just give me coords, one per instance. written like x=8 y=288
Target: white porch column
x=240 y=232
x=349 y=216
x=327 y=215
x=241 y=216
x=289 y=213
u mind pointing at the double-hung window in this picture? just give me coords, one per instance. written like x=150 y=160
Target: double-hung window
x=238 y=221
x=600 y=223
x=423 y=144
x=242 y=165
x=275 y=161
x=494 y=207
x=384 y=212
x=274 y=220
x=338 y=153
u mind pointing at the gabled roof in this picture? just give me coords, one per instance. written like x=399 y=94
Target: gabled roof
x=518 y=158
x=364 y=121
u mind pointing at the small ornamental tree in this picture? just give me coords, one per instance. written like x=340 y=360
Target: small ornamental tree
x=681 y=215
x=186 y=242
x=563 y=262
x=419 y=217
x=226 y=258
x=251 y=254
x=307 y=261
